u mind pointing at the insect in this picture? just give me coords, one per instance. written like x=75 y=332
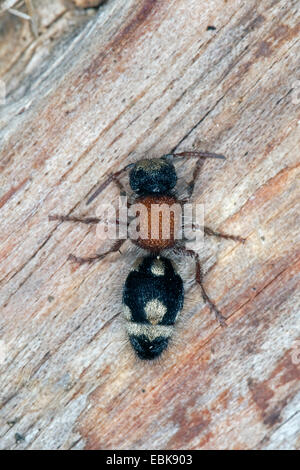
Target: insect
x=153 y=293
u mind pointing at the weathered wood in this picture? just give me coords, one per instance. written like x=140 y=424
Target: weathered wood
x=145 y=77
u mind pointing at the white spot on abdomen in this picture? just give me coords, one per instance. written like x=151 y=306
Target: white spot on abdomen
x=150 y=331
x=127 y=312
x=155 y=311
x=158 y=267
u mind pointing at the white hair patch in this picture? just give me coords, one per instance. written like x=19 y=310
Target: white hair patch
x=158 y=267
x=155 y=311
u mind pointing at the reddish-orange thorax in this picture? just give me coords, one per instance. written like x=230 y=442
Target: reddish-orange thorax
x=157 y=222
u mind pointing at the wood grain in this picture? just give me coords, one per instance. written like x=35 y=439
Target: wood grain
x=147 y=77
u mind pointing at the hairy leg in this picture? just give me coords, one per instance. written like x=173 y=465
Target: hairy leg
x=95 y=220
x=70 y=218
x=97 y=257
x=112 y=177
x=210 y=232
x=201 y=156
x=199 y=279
x=88 y=220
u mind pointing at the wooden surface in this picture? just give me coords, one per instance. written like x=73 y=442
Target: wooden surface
x=97 y=90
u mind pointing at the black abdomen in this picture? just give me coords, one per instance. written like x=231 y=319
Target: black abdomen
x=152 y=298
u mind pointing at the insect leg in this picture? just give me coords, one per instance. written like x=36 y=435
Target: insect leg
x=112 y=177
x=196 y=172
x=199 y=279
x=97 y=257
x=209 y=231
x=201 y=156
x=69 y=218
x=197 y=155
x=94 y=220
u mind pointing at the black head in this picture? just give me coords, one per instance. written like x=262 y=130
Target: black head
x=147 y=349
x=153 y=176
